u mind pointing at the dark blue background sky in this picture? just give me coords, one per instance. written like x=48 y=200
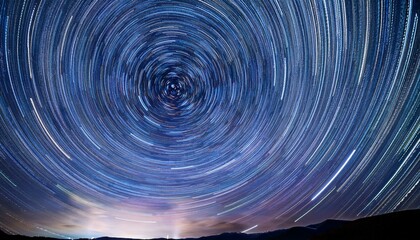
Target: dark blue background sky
x=189 y=118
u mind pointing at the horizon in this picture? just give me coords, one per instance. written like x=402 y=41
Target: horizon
x=386 y=217
x=190 y=118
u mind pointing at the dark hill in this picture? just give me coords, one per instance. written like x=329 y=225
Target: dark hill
x=398 y=225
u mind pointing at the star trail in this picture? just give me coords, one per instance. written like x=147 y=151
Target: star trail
x=188 y=118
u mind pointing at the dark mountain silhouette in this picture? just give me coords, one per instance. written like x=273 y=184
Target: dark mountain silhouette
x=398 y=225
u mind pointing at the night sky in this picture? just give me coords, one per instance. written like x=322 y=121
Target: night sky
x=189 y=118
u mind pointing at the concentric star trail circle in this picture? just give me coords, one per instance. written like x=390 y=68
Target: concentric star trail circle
x=190 y=118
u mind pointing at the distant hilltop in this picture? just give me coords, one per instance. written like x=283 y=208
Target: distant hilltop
x=397 y=225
